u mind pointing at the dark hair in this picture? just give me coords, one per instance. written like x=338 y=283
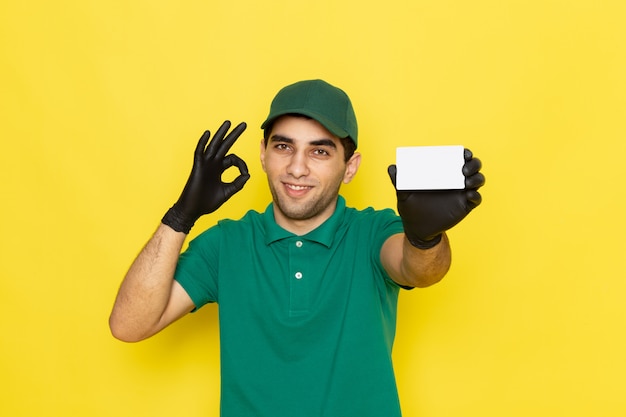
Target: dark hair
x=349 y=147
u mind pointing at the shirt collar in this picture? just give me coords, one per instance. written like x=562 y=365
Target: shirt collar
x=323 y=234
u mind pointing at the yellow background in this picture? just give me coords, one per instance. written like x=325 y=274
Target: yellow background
x=102 y=103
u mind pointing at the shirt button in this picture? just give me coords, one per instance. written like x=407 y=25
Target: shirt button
x=298 y=275
x=299 y=243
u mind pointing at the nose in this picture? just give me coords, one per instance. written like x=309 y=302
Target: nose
x=297 y=166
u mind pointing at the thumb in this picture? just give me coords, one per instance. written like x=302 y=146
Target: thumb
x=392 y=171
x=237 y=185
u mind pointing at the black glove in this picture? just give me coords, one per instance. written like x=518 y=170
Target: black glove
x=205 y=192
x=427 y=214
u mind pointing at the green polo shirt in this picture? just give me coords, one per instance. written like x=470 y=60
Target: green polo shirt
x=306 y=322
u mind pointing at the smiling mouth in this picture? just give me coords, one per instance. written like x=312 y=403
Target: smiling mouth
x=298 y=187
x=297 y=191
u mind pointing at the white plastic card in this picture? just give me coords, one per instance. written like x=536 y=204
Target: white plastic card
x=430 y=168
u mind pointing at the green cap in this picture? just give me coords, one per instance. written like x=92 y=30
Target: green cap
x=317 y=99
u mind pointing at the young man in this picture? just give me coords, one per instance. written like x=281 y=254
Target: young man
x=307 y=290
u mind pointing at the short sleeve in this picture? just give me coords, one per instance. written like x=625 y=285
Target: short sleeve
x=387 y=224
x=197 y=268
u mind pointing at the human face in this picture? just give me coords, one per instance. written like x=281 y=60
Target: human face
x=305 y=168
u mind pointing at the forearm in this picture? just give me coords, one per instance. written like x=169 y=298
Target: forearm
x=422 y=268
x=145 y=291
x=413 y=267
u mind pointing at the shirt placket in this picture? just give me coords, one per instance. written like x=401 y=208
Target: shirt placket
x=299 y=281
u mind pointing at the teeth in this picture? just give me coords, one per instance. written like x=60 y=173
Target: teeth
x=297 y=187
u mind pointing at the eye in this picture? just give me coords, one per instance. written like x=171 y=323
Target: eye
x=281 y=147
x=321 y=152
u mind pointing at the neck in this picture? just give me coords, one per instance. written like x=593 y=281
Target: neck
x=301 y=227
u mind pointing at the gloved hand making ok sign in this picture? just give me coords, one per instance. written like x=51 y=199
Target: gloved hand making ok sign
x=427 y=214
x=205 y=191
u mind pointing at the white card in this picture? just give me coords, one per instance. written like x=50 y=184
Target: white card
x=430 y=168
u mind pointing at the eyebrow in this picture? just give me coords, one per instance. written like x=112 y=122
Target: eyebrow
x=317 y=142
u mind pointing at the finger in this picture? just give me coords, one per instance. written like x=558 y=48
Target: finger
x=473 y=198
x=202 y=144
x=392 y=170
x=233 y=160
x=217 y=139
x=230 y=140
x=475 y=181
x=467 y=154
x=472 y=166
x=238 y=183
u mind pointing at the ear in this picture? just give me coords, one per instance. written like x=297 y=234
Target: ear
x=262 y=153
x=352 y=166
